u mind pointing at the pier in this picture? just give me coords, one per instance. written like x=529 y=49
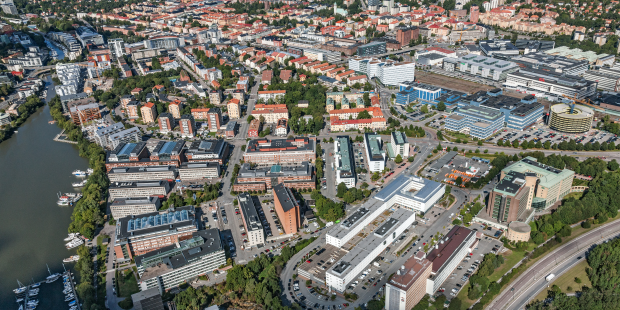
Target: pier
x=61 y=137
x=50 y=295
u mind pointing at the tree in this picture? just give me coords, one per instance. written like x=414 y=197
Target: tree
x=613 y=165
x=364 y=115
x=250 y=118
x=441 y=106
x=424 y=109
x=375 y=176
x=341 y=190
x=480 y=142
x=459 y=181
x=398 y=159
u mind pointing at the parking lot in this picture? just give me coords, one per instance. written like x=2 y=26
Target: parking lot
x=543 y=134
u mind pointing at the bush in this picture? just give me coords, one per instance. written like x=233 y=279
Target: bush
x=577 y=280
x=558 y=239
x=586 y=224
x=126 y=304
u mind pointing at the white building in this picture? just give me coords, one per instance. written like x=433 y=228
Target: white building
x=5 y=119
x=251 y=221
x=132 y=134
x=138 y=189
x=122 y=207
x=396 y=73
x=412 y=193
x=344 y=162
x=129 y=174
x=199 y=171
x=448 y=254
x=399 y=144
x=347 y=229
x=375 y=155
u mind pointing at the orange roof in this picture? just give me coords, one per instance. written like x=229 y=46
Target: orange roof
x=149 y=105
x=374 y=110
x=264 y=92
x=234 y=100
x=356 y=121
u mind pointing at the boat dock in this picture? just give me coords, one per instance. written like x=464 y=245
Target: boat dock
x=61 y=137
x=49 y=294
x=77 y=302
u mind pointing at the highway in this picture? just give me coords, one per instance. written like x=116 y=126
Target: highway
x=532 y=282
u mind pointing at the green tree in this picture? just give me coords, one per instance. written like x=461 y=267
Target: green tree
x=398 y=159
x=424 y=109
x=341 y=190
x=459 y=181
x=364 y=115
x=441 y=106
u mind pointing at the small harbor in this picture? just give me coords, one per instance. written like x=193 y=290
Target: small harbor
x=57 y=291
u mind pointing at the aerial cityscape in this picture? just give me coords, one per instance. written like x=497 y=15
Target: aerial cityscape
x=328 y=154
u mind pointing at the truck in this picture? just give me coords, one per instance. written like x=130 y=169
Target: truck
x=549 y=277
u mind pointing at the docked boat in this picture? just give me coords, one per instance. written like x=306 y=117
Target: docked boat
x=74 y=243
x=72 y=236
x=89 y=171
x=79 y=184
x=79 y=173
x=73 y=258
x=20 y=290
x=19 y=300
x=72 y=303
x=69 y=298
x=63 y=201
x=52 y=278
x=35 y=285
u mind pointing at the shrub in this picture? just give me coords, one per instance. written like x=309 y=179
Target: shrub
x=586 y=224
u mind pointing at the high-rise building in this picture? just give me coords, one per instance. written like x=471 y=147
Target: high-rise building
x=251 y=221
x=187 y=125
x=166 y=122
x=149 y=113
x=474 y=13
x=408 y=286
x=512 y=197
x=234 y=109
x=343 y=158
x=175 y=108
x=287 y=208
x=399 y=144
x=404 y=35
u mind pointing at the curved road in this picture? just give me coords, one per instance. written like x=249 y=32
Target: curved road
x=530 y=283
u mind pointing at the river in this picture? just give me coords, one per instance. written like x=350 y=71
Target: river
x=33 y=169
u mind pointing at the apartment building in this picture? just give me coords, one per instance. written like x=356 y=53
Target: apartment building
x=123 y=207
x=139 y=189
x=375 y=155
x=234 y=109
x=287 y=208
x=187 y=126
x=399 y=145
x=149 y=113
x=344 y=161
x=134 y=174
x=254 y=128
x=85 y=113
x=251 y=221
x=207 y=151
x=199 y=171
x=408 y=286
x=166 y=123
x=271 y=113
x=283 y=151
x=132 y=109
x=141 y=234
x=175 y=108
x=264 y=178
x=265 y=95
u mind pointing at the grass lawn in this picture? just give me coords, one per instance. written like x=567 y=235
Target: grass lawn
x=510 y=259
x=576 y=195
x=568 y=279
x=127 y=284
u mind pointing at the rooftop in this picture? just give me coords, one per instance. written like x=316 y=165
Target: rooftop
x=281 y=145
x=155 y=222
x=413 y=269
x=285 y=197
x=511 y=183
x=547 y=175
x=402 y=186
x=250 y=214
x=449 y=245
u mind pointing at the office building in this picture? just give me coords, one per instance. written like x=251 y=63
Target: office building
x=410 y=91
x=363 y=253
x=408 y=286
x=480 y=66
x=207 y=151
x=87 y=36
x=550 y=85
x=553 y=184
x=477 y=121
x=140 y=234
x=117 y=47
x=322 y=55
x=234 y=109
x=133 y=174
x=571 y=118
x=448 y=254
x=399 y=145
x=344 y=162
x=412 y=193
x=404 y=35
x=578 y=54
x=137 y=155
x=199 y=171
x=187 y=126
x=166 y=123
x=148 y=300
x=174 y=264
x=395 y=73
x=375 y=154
x=372 y=48
x=557 y=64
x=497 y=47
x=264 y=178
x=511 y=199
x=123 y=207
x=606 y=79
x=149 y=113
x=251 y=221
x=164 y=42
x=83 y=114
x=139 y=189
x=287 y=208
x=265 y=152
x=131 y=135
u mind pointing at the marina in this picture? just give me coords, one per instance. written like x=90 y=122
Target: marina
x=51 y=293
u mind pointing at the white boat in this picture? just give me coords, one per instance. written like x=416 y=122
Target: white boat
x=35 y=285
x=89 y=170
x=74 y=243
x=20 y=290
x=79 y=184
x=73 y=258
x=79 y=173
x=72 y=236
x=19 y=300
x=63 y=201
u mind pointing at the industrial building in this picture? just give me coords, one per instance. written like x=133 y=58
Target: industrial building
x=250 y=178
x=266 y=152
x=480 y=66
x=550 y=85
x=138 y=189
x=251 y=221
x=375 y=155
x=287 y=208
x=123 y=207
x=498 y=47
x=533 y=46
x=606 y=78
x=131 y=174
x=570 y=118
x=140 y=234
x=344 y=161
x=558 y=64
x=174 y=264
x=477 y=121
x=412 y=193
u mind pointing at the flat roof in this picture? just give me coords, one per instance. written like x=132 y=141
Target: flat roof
x=444 y=160
x=413 y=269
x=338 y=231
x=402 y=183
x=485 y=113
x=247 y=171
x=123 y=170
x=136 y=201
x=399 y=137
x=280 y=145
x=373 y=145
x=212 y=146
x=249 y=212
x=148 y=223
x=449 y=245
x=547 y=175
x=346 y=160
x=511 y=183
x=285 y=197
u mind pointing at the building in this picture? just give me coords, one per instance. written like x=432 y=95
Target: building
x=533 y=46
x=550 y=85
x=322 y=55
x=149 y=113
x=215 y=96
x=132 y=109
x=344 y=161
x=211 y=116
x=140 y=234
x=263 y=178
x=166 y=123
x=123 y=207
x=134 y=174
x=82 y=114
x=164 y=42
x=553 y=184
x=558 y=64
x=131 y=135
x=375 y=154
x=208 y=151
x=474 y=14
x=606 y=78
x=578 y=54
x=373 y=124
x=372 y=48
x=498 y=47
x=172 y=265
x=148 y=300
x=395 y=73
x=88 y=36
x=518 y=232
x=117 y=47
x=511 y=199
x=412 y=193
x=287 y=208
x=408 y=286
x=448 y=254
x=175 y=108
x=404 y=35
x=282 y=127
x=138 y=189
x=270 y=112
x=480 y=66
x=399 y=145
x=282 y=151
x=234 y=109
x=231 y=129
x=271 y=94
x=199 y=171
x=410 y=91
x=251 y=221
x=254 y=128
x=187 y=125
x=571 y=118
x=477 y=121
x=5 y=119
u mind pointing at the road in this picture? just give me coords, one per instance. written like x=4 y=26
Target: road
x=531 y=282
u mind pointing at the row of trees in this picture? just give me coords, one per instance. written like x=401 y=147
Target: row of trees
x=326 y=208
x=570 y=145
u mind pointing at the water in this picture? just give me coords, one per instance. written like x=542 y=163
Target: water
x=33 y=169
x=60 y=53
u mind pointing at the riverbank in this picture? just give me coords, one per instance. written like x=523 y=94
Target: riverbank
x=32 y=104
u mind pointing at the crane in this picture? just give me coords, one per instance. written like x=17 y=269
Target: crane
x=586 y=101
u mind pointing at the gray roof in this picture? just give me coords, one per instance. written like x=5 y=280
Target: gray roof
x=249 y=212
x=154 y=222
x=444 y=160
x=285 y=197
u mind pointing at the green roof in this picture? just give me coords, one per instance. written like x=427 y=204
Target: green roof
x=548 y=175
